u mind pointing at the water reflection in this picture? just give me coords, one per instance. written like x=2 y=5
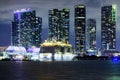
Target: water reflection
x=71 y=70
x=113 y=78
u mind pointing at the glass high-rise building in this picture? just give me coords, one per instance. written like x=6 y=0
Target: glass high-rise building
x=80 y=23
x=59 y=24
x=91 y=34
x=108 y=27
x=26 y=28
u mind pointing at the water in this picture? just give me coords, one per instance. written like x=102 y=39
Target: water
x=72 y=70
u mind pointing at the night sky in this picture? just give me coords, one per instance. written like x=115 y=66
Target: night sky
x=93 y=7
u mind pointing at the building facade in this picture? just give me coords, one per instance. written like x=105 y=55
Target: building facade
x=91 y=35
x=26 y=28
x=80 y=23
x=108 y=27
x=59 y=24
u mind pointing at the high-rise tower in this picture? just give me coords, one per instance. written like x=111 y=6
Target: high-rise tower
x=59 y=24
x=26 y=28
x=91 y=34
x=108 y=27
x=80 y=23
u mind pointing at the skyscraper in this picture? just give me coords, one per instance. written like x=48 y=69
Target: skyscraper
x=91 y=34
x=108 y=27
x=26 y=28
x=59 y=24
x=80 y=23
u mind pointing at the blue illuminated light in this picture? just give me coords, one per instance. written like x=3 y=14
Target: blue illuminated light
x=115 y=59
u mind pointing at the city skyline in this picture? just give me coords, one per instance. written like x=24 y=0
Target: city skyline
x=7 y=9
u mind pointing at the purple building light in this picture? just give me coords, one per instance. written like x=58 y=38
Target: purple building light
x=22 y=10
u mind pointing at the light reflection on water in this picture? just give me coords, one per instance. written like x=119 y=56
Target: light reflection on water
x=113 y=78
x=71 y=70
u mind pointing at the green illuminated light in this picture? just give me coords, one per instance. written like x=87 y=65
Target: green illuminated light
x=114 y=7
x=114 y=11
